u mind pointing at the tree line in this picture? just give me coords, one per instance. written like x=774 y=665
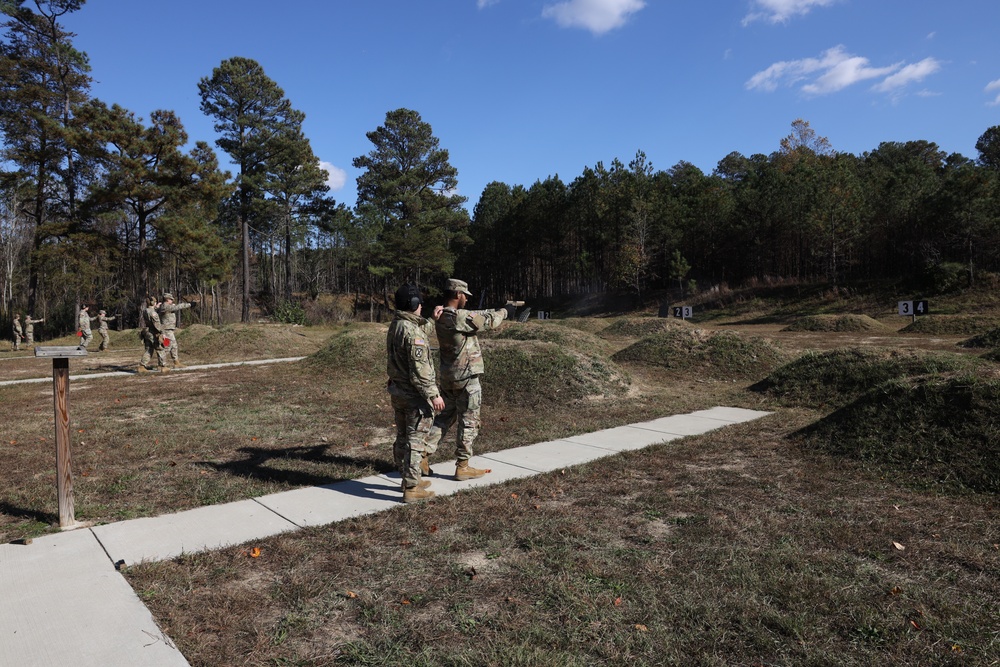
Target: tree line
x=101 y=206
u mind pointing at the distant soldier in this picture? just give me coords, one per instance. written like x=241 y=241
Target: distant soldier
x=85 y=333
x=102 y=328
x=168 y=318
x=412 y=389
x=18 y=332
x=152 y=336
x=461 y=368
x=29 y=329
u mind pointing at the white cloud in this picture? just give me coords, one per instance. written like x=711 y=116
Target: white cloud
x=483 y=4
x=597 y=16
x=336 y=177
x=908 y=74
x=991 y=87
x=837 y=69
x=779 y=11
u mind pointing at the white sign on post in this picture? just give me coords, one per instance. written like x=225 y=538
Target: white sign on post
x=683 y=312
x=912 y=308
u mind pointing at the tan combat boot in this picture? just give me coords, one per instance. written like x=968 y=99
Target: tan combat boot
x=178 y=364
x=425 y=466
x=416 y=494
x=164 y=369
x=142 y=369
x=464 y=471
x=422 y=484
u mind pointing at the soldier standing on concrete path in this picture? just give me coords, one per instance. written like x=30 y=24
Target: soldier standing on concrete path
x=152 y=336
x=461 y=368
x=85 y=334
x=412 y=388
x=29 y=330
x=168 y=318
x=18 y=332
x=102 y=328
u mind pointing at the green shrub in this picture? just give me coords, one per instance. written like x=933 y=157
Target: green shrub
x=289 y=312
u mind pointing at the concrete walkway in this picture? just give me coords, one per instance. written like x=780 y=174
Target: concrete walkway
x=62 y=601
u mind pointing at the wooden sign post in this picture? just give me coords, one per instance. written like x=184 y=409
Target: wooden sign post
x=60 y=356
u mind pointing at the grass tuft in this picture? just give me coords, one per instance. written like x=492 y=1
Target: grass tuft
x=355 y=348
x=836 y=323
x=989 y=339
x=635 y=327
x=722 y=355
x=939 y=430
x=956 y=325
x=838 y=377
x=567 y=337
x=535 y=372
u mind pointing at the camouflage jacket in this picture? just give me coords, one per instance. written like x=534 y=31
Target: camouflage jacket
x=151 y=320
x=408 y=357
x=102 y=322
x=461 y=356
x=17 y=328
x=168 y=315
x=85 y=321
x=29 y=324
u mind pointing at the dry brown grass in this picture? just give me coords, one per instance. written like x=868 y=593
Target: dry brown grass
x=740 y=547
x=730 y=548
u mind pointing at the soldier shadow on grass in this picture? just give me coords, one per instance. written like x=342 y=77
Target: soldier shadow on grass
x=25 y=513
x=259 y=464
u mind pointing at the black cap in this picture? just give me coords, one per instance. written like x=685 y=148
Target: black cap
x=408 y=298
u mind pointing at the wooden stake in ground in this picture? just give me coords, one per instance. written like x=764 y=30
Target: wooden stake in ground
x=60 y=356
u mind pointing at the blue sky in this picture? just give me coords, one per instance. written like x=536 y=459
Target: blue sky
x=519 y=90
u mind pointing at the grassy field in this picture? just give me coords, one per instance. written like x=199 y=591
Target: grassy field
x=778 y=542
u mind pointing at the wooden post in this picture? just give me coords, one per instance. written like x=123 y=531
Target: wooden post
x=60 y=401
x=64 y=471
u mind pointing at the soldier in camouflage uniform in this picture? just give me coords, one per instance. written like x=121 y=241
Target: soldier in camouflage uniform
x=29 y=329
x=168 y=318
x=461 y=368
x=152 y=336
x=85 y=333
x=412 y=388
x=18 y=332
x=102 y=328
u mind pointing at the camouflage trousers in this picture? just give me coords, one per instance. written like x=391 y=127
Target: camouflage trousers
x=149 y=348
x=17 y=342
x=461 y=406
x=105 y=340
x=85 y=338
x=413 y=419
x=168 y=349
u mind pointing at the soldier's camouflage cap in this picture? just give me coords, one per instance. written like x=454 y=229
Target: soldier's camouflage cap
x=456 y=285
x=168 y=295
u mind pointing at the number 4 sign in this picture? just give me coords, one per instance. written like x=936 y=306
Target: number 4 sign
x=912 y=308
